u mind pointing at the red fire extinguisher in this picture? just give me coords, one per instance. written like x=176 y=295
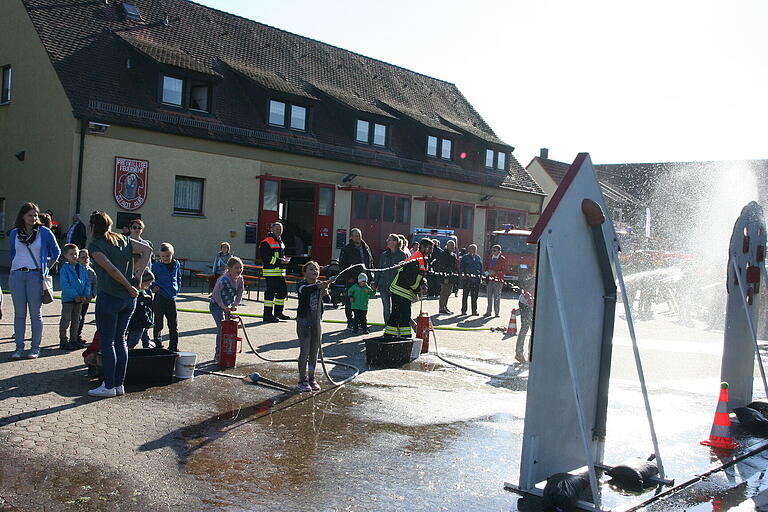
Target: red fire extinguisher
x=423 y=326
x=228 y=342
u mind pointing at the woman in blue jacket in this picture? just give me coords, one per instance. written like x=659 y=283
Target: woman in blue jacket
x=33 y=250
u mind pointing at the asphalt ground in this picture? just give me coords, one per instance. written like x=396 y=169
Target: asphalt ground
x=427 y=436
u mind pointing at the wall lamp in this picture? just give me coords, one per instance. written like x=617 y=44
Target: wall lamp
x=348 y=178
x=97 y=128
x=485 y=198
x=20 y=156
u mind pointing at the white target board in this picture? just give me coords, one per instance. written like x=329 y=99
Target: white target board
x=567 y=323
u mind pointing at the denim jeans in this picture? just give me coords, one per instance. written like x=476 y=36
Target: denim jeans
x=138 y=334
x=26 y=288
x=218 y=316
x=112 y=317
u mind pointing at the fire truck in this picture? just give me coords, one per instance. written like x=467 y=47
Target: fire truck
x=520 y=255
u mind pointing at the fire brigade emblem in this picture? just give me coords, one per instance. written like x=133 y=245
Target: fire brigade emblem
x=130 y=182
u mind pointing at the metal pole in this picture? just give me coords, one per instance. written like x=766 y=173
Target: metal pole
x=574 y=381
x=743 y=294
x=638 y=363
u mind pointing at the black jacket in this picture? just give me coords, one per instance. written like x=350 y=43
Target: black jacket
x=350 y=255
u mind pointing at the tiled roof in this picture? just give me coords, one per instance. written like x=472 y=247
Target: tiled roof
x=268 y=80
x=424 y=119
x=353 y=101
x=610 y=181
x=473 y=130
x=85 y=41
x=555 y=169
x=166 y=55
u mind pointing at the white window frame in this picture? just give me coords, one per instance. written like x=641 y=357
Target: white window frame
x=162 y=91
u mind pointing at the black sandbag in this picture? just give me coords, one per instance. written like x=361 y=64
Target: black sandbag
x=634 y=473
x=562 y=492
x=752 y=421
x=760 y=407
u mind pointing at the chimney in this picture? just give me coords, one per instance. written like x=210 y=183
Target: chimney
x=544 y=153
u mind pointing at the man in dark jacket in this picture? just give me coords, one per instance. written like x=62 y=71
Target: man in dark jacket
x=356 y=251
x=445 y=267
x=76 y=234
x=471 y=272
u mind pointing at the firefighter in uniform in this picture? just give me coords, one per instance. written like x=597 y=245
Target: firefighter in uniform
x=273 y=258
x=406 y=284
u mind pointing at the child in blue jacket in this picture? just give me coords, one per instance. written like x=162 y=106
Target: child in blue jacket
x=166 y=287
x=75 y=290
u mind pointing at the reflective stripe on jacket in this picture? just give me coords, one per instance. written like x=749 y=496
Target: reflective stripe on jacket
x=271 y=250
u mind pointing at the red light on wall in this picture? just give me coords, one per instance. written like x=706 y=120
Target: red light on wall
x=463 y=155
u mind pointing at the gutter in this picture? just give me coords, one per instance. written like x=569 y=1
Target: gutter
x=83 y=126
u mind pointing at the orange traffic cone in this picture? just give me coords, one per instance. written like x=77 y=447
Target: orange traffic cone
x=720 y=435
x=512 y=327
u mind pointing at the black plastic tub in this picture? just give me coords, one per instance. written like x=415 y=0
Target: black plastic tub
x=150 y=366
x=381 y=352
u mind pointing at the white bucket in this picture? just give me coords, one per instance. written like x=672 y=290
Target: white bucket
x=185 y=365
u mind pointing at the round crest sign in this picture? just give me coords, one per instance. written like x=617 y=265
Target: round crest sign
x=130 y=182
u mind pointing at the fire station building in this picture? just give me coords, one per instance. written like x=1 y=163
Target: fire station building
x=209 y=127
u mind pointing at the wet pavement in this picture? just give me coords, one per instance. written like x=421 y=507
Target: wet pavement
x=427 y=436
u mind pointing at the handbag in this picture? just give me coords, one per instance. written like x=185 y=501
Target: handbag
x=46 y=290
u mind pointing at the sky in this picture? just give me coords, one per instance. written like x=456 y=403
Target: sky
x=650 y=81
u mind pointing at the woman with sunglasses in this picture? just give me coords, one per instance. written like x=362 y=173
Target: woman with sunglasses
x=33 y=251
x=136 y=229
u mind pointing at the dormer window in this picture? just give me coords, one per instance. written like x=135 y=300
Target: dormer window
x=436 y=146
x=495 y=159
x=183 y=93
x=371 y=133
x=287 y=115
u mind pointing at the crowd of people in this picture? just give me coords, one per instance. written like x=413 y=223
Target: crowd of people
x=137 y=290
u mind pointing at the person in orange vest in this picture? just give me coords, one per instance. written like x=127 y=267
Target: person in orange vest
x=272 y=250
x=406 y=284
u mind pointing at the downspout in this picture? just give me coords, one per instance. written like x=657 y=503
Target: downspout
x=83 y=126
x=595 y=218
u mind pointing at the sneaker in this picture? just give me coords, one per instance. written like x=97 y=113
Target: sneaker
x=102 y=391
x=33 y=354
x=304 y=387
x=119 y=390
x=314 y=385
x=16 y=355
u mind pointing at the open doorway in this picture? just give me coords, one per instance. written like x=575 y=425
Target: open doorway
x=297 y=213
x=306 y=211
